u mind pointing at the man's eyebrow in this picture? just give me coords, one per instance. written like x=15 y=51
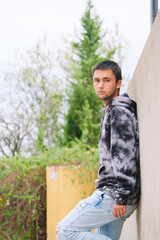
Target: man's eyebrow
x=107 y=78
x=102 y=78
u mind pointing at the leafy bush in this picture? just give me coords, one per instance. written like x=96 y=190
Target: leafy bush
x=23 y=188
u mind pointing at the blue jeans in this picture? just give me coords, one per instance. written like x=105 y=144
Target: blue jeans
x=95 y=212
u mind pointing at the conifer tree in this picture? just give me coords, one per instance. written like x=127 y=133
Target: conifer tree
x=84 y=106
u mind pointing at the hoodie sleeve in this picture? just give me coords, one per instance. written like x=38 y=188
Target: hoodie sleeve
x=123 y=152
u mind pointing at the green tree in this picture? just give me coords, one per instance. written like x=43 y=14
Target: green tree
x=92 y=46
x=43 y=93
x=33 y=103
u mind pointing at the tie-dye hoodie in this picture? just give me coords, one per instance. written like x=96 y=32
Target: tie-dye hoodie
x=119 y=151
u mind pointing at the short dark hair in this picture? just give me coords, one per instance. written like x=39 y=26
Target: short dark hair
x=107 y=64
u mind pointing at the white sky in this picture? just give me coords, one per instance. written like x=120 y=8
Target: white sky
x=22 y=22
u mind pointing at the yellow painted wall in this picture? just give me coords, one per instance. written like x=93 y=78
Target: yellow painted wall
x=65 y=188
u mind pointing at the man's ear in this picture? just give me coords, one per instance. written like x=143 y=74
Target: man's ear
x=118 y=85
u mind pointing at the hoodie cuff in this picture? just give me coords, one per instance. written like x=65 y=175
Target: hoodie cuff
x=121 y=201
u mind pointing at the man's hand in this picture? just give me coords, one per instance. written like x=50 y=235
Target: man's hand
x=119 y=210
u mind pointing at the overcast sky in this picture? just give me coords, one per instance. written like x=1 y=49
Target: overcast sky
x=22 y=22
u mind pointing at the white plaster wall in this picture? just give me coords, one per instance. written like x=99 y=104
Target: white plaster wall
x=144 y=88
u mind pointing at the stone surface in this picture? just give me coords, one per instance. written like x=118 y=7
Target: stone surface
x=144 y=88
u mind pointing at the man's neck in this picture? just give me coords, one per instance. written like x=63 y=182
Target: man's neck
x=106 y=101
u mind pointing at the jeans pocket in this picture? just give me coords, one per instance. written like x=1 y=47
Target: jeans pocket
x=95 y=199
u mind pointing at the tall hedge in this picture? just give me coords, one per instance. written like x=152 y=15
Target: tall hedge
x=23 y=189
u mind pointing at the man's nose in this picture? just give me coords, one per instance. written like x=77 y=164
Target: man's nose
x=101 y=84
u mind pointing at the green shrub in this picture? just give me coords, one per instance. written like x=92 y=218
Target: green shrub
x=23 y=188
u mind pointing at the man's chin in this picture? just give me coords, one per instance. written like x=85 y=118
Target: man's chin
x=101 y=97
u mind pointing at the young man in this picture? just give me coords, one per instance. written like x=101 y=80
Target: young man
x=118 y=184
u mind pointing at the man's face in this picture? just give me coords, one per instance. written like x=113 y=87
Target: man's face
x=105 y=85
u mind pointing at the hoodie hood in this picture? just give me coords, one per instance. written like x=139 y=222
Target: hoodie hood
x=123 y=101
